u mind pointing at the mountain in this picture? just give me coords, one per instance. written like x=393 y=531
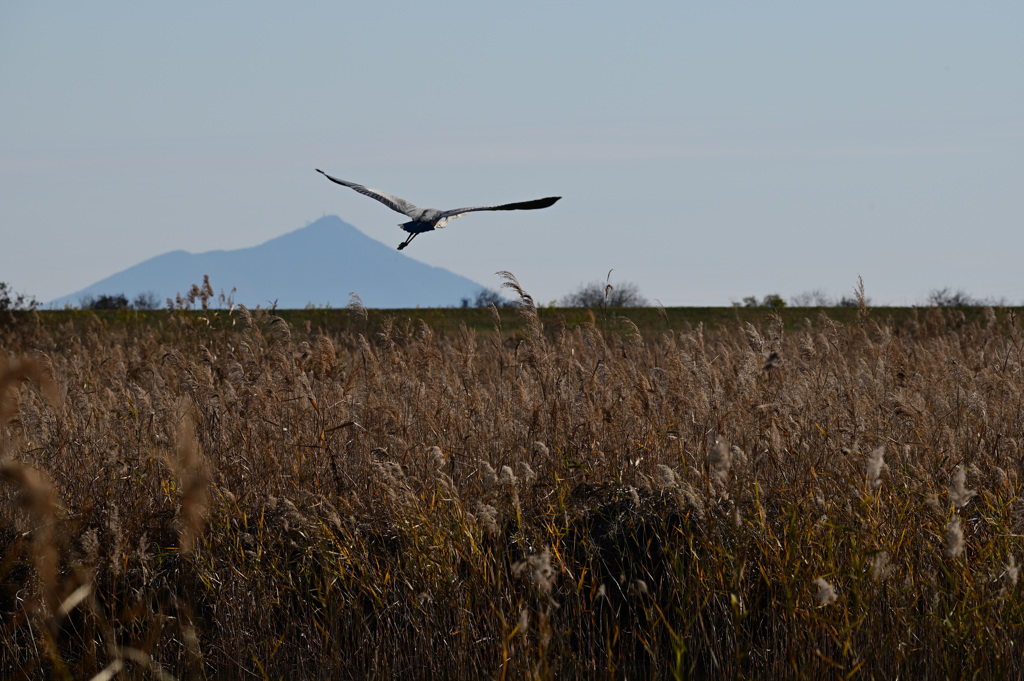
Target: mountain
x=320 y=263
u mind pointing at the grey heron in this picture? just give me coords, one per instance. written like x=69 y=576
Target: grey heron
x=429 y=219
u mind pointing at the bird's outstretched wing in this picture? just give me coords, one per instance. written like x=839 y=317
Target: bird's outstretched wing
x=522 y=205
x=389 y=200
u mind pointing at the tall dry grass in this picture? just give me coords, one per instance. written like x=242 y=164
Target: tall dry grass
x=223 y=495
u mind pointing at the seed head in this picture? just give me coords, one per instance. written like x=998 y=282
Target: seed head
x=954 y=538
x=524 y=622
x=720 y=459
x=826 y=592
x=507 y=477
x=488 y=517
x=880 y=568
x=540 y=572
x=526 y=473
x=437 y=457
x=958 y=492
x=876 y=463
x=667 y=476
x=638 y=587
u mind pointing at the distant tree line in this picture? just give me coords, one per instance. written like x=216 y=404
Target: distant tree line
x=118 y=301
x=948 y=297
x=590 y=295
x=941 y=297
x=627 y=294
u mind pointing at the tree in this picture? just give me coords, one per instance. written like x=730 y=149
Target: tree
x=814 y=298
x=596 y=294
x=484 y=298
x=850 y=301
x=772 y=300
x=146 y=301
x=10 y=301
x=946 y=297
x=116 y=301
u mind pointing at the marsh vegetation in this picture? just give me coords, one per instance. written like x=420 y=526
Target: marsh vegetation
x=214 y=493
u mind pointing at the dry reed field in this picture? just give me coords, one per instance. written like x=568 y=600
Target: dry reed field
x=223 y=495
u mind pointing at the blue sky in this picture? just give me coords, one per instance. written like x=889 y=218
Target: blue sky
x=705 y=151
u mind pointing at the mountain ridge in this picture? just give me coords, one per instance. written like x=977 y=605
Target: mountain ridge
x=318 y=264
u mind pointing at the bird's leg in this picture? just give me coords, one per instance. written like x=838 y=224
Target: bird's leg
x=406 y=242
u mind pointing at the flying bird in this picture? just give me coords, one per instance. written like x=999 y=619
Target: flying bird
x=429 y=219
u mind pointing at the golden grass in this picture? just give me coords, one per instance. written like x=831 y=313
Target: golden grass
x=227 y=495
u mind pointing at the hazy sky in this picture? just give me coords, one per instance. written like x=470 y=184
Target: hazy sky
x=705 y=151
